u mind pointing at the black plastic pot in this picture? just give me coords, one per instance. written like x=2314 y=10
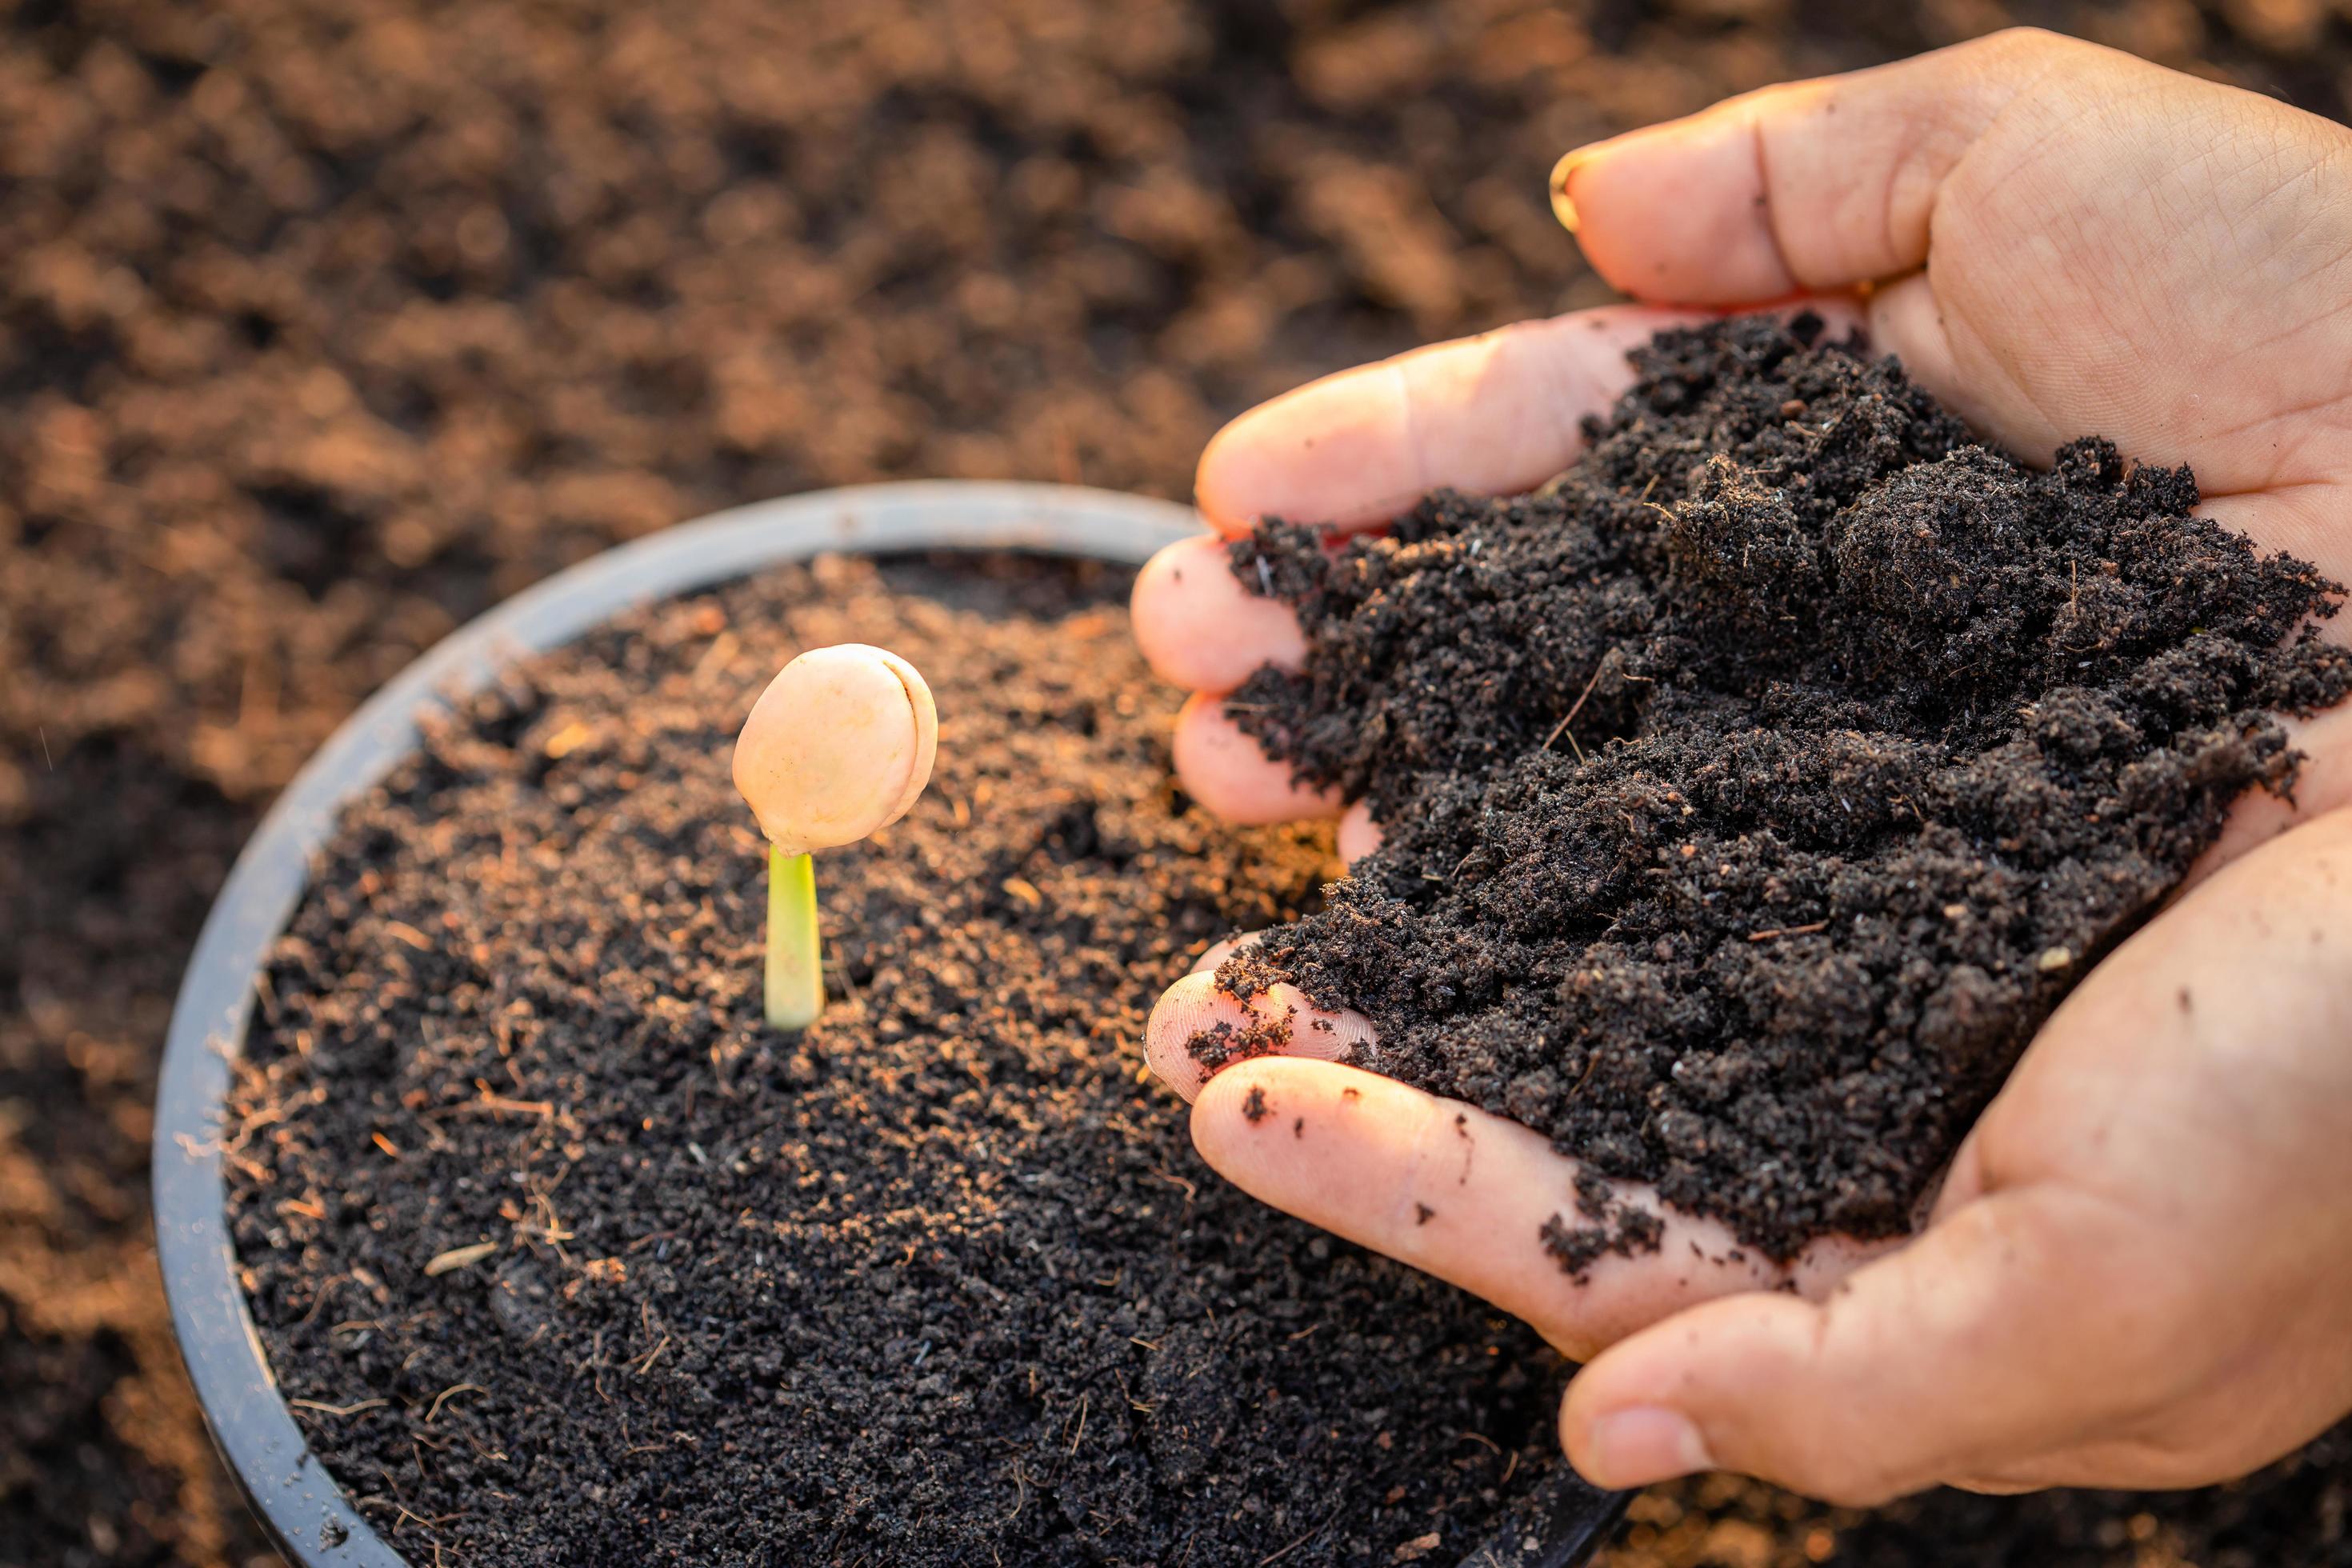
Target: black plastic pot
x=1556 y=1525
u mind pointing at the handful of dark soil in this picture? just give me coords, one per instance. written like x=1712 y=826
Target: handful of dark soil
x=1754 y=792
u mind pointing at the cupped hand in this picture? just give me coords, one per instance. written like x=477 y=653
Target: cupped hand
x=2140 y=1270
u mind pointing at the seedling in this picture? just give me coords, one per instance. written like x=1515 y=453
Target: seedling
x=838 y=748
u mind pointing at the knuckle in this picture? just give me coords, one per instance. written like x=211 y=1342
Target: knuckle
x=1847 y=1481
x=2012 y=44
x=2028 y=52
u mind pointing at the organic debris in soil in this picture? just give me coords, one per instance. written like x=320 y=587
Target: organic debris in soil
x=562 y=1257
x=1754 y=792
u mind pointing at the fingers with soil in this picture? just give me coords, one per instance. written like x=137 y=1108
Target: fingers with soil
x=1195 y=1006
x=1492 y=414
x=2304 y=522
x=1456 y=1192
x=2043 y=1329
x=2304 y=519
x=1925 y=1365
x=1230 y=774
x=1200 y=629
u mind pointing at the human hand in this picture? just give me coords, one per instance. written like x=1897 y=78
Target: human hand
x=2104 y=1293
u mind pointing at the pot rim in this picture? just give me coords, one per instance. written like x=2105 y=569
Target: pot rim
x=302 y=1508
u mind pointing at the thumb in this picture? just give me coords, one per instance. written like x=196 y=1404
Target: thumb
x=1811 y=185
x=1948 y=1359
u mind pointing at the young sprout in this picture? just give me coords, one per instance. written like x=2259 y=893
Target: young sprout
x=838 y=747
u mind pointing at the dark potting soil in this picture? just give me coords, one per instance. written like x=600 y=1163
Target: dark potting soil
x=561 y=1256
x=1753 y=792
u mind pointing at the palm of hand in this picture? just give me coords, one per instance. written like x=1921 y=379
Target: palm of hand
x=2078 y=242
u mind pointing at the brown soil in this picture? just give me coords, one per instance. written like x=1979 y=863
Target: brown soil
x=1755 y=790
x=940 y=1280
x=326 y=324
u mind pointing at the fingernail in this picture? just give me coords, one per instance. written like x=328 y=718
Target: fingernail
x=1646 y=1444
x=1563 y=206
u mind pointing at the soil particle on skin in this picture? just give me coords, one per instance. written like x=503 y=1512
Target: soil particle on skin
x=632 y=1279
x=1224 y=1042
x=1754 y=791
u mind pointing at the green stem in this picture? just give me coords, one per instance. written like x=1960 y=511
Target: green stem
x=795 y=964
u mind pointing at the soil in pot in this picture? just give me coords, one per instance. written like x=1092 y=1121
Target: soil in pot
x=559 y=1255
x=1754 y=792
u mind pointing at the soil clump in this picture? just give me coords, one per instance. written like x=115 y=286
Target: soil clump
x=1753 y=792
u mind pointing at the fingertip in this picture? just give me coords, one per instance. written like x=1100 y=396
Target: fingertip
x=1358 y=834
x=1678 y=1363
x=1333 y=451
x=1197 y=1005
x=1230 y=774
x=1200 y=629
x=1636 y=1447
x=1191 y=1007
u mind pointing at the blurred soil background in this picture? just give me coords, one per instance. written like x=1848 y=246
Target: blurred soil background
x=326 y=323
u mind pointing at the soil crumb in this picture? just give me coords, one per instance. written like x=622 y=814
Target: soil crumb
x=566 y=1258
x=1753 y=791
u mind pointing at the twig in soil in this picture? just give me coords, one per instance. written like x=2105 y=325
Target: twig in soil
x=454 y=1388
x=499 y=1105
x=250 y=1125
x=1574 y=709
x=1178 y=1182
x=1788 y=931
x=1019 y=1493
x=326 y=1291
x=1082 y=1422
x=458 y=1257
x=1280 y=1553
x=409 y=934
x=336 y=1409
